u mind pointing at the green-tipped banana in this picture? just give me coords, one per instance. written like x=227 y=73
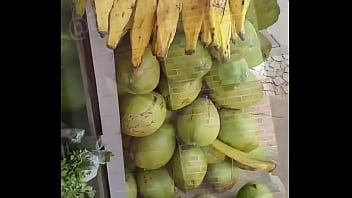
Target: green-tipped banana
x=243 y=158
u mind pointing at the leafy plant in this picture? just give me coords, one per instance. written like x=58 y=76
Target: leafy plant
x=72 y=176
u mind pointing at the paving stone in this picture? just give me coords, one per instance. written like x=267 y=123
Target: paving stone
x=286 y=70
x=278 y=81
x=270 y=74
x=278 y=58
x=268 y=80
x=268 y=87
x=285 y=76
x=276 y=66
x=279 y=91
x=285 y=88
x=269 y=93
x=279 y=73
x=286 y=56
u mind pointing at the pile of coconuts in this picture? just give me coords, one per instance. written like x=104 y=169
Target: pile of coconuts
x=173 y=112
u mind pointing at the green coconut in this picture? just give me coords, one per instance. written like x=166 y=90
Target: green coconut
x=213 y=156
x=254 y=56
x=155 y=150
x=254 y=190
x=179 y=94
x=137 y=80
x=265 y=45
x=142 y=115
x=131 y=185
x=223 y=176
x=188 y=167
x=199 y=123
x=155 y=183
x=72 y=91
x=239 y=129
x=233 y=96
x=179 y=67
x=233 y=72
x=263 y=13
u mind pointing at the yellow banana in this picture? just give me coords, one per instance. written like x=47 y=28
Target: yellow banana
x=102 y=11
x=215 y=18
x=154 y=39
x=225 y=32
x=192 y=15
x=142 y=27
x=206 y=32
x=119 y=17
x=220 y=19
x=242 y=157
x=234 y=34
x=167 y=14
x=238 y=10
x=80 y=7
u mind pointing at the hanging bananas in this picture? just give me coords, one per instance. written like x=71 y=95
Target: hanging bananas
x=217 y=21
x=119 y=17
x=206 y=33
x=102 y=10
x=225 y=32
x=238 y=10
x=167 y=14
x=220 y=19
x=142 y=28
x=192 y=16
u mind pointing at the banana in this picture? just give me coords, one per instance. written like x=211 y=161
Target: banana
x=119 y=17
x=153 y=42
x=238 y=10
x=225 y=32
x=220 y=19
x=206 y=33
x=234 y=34
x=102 y=11
x=167 y=14
x=213 y=12
x=242 y=157
x=142 y=27
x=80 y=7
x=192 y=15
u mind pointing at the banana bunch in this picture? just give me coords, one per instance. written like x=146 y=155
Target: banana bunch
x=218 y=22
x=167 y=15
x=238 y=12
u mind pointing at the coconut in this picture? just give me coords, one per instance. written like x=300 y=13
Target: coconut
x=188 y=167
x=223 y=176
x=199 y=123
x=142 y=115
x=155 y=183
x=137 y=80
x=179 y=94
x=213 y=155
x=155 y=150
x=239 y=129
x=179 y=67
x=131 y=186
x=234 y=96
x=254 y=190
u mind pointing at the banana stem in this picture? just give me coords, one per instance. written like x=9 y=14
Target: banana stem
x=243 y=157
